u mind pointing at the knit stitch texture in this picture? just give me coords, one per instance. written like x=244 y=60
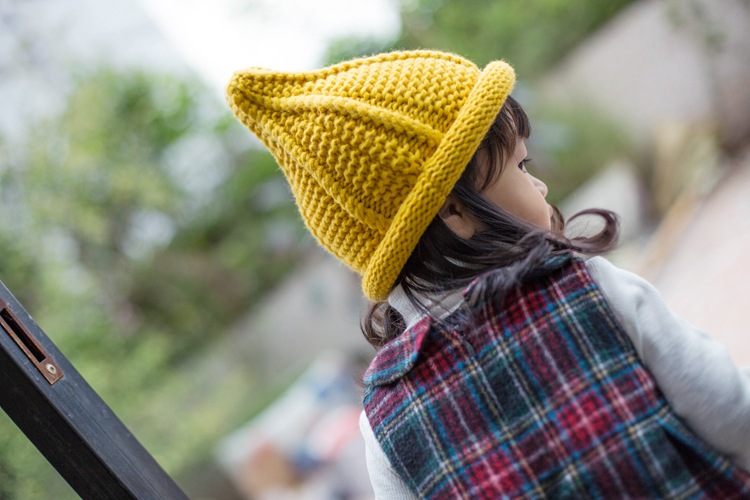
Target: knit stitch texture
x=372 y=147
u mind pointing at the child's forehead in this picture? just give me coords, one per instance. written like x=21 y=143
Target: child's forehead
x=520 y=143
x=518 y=148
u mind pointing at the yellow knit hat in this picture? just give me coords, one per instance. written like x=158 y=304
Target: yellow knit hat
x=372 y=147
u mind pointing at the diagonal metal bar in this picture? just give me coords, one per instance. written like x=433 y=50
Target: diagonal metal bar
x=66 y=420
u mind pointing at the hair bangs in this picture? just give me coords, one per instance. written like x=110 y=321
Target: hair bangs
x=499 y=144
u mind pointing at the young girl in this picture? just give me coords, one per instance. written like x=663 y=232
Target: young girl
x=507 y=366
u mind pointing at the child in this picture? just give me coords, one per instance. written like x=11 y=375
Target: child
x=507 y=366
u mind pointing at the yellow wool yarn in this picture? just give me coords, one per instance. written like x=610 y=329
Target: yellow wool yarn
x=372 y=147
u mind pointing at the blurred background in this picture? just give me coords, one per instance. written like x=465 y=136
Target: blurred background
x=144 y=229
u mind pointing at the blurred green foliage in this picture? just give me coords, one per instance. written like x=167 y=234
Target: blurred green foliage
x=138 y=226
x=570 y=141
x=533 y=35
x=137 y=230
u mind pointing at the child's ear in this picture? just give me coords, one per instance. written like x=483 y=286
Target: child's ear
x=457 y=218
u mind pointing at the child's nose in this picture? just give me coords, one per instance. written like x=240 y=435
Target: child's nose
x=542 y=187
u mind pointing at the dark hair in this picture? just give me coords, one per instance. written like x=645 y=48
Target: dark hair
x=443 y=261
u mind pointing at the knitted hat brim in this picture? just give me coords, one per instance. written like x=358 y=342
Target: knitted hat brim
x=440 y=173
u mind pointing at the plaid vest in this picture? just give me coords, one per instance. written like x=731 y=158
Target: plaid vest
x=543 y=396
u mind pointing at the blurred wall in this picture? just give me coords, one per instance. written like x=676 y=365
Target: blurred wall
x=667 y=61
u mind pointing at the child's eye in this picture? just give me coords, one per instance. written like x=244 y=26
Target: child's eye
x=522 y=165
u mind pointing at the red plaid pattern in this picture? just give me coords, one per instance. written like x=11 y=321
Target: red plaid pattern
x=544 y=396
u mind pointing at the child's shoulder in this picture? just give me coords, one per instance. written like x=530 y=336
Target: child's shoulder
x=616 y=281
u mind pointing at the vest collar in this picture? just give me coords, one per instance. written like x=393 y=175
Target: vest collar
x=441 y=305
x=396 y=358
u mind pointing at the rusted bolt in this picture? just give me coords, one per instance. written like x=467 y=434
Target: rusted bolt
x=51 y=369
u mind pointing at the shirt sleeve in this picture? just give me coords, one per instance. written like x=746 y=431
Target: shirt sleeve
x=695 y=373
x=386 y=483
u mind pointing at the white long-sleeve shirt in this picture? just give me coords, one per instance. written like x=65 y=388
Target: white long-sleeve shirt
x=694 y=372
